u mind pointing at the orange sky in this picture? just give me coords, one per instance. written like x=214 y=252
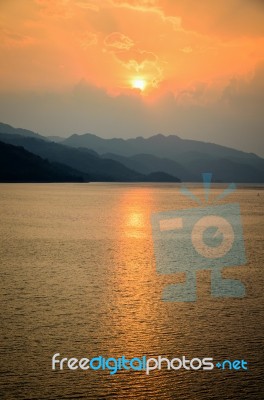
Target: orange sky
x=70 y=66
x=173 y=45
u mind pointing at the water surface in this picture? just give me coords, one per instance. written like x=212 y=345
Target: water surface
x=78 y=278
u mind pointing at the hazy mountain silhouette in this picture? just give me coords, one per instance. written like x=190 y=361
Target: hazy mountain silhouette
x=186 y=159
x=56 y=139
x=5 y=128
x=171 y=146
x=84 y=161
x=147 y=163
x=134 y=159
x=160 y=176
x=19 y=165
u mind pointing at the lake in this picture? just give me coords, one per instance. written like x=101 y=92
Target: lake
x=78 y=277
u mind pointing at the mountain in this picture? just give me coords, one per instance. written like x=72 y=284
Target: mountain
x=56 y=139
x=147 y=164
x=97 y=168
x=171 y=146
x=223 y=169
x=8 y=129
x=138 y=158
x=19 y=165
x=160 y=176
x=186 y=159
x=83 y=160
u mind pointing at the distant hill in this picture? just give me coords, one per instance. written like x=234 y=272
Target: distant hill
x=5 y=128
x=223 y=169
x=97 y=168
x=138 y=158
x=160 y=176
x=56 y=139
x=86 y=162
x=147 y=164
x=186 y=159
x=19 y=165
x=171 y=146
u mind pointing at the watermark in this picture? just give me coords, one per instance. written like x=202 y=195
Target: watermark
x=207 y=237
x=145 y=364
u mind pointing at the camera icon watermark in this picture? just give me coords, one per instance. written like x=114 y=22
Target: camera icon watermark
x=200 y=238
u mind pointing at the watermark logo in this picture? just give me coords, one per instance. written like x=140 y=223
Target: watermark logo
x=144 y=364
x=207 y=237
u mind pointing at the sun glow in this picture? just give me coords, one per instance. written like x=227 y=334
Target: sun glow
x=139 y=83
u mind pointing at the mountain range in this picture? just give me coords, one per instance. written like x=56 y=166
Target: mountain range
x=156 y=159
x=19 y=165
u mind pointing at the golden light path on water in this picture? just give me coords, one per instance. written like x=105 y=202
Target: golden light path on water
x=78 y=277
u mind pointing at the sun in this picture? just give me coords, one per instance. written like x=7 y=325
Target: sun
x=139 y=83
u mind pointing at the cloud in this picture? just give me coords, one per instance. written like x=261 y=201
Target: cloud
x=55 y=8
x=143 y=5
x=225 y=18
x=246 y=94
x=171 y=43
x=119 y=41
x=237 y=124
x=136 y=57
x=88 y=39
x=88 y=5
x=187 y=49
x=10 y=38
x=142 y=62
